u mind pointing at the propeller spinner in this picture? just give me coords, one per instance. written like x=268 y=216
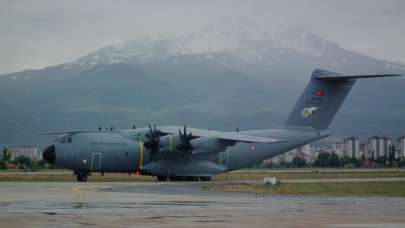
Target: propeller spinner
x=153 y=142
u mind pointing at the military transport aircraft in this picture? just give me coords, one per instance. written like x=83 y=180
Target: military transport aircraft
x=185 y=153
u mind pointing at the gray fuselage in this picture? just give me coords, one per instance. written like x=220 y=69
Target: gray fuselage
x=212 y=152
x=123 y=151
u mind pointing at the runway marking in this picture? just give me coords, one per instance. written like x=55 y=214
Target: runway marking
x=91 y=188
x=82 y=189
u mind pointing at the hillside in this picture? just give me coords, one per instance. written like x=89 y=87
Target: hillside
x=225 y=76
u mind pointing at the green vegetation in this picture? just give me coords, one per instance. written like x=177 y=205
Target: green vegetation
x=5 y=157
x=309 y=174
x=354 y=189
x=401 y=162
x=299 y=162
x=296 y=162
x=332 y=160
x=21 y=162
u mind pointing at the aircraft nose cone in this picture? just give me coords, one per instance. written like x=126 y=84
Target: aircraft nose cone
x=49 y=154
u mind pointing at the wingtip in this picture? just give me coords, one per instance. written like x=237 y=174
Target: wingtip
x=279 y=141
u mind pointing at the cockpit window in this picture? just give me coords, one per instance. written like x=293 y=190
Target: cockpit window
x=65 y=140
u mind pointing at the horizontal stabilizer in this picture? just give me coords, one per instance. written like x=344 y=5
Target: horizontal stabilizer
x=327 y=75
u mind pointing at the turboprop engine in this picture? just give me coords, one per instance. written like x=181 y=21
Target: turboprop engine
x=200 y=146
x=207 y=145
x=186 y=145
x=168 y=143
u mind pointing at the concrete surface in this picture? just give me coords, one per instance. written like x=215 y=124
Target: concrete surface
x=184 y=204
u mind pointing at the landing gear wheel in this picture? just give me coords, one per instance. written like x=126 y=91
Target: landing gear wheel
x=192 y=178
x=161 y=178
x=174 y=178
x=205 y=178
x=81 y=178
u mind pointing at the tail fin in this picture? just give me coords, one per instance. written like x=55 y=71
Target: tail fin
x=322 y=98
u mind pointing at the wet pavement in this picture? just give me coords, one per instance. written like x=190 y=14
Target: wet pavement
x=58 y=204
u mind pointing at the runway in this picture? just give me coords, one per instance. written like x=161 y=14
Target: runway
x=184 y=204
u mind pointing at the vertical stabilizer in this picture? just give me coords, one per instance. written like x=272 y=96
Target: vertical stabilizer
x=322 y=98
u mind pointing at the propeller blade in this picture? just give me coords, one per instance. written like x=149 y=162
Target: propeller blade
x=181 y=136
x=185 y=145
x=153 y=142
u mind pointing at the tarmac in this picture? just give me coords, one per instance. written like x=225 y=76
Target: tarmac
x=184 y=204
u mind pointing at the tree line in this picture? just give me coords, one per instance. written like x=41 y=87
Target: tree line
x=20 y=162
x=332 y=160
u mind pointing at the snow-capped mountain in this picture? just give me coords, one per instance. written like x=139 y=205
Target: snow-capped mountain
x=226 y=75
x=305 y=41
x=226 y=36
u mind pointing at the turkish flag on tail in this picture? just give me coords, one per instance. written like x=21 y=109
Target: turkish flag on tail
x=320 y=93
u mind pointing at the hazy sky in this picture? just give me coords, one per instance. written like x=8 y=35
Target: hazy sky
x=35 y=34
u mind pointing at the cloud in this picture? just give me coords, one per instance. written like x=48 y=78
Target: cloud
x=35 y=34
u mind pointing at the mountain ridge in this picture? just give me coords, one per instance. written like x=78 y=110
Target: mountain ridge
x=250 y=82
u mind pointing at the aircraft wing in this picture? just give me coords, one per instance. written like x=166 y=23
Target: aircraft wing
x=72 y=132
x=230 y=136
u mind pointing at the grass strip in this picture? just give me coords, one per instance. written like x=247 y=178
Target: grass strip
x=338 y=189
x=308 y=175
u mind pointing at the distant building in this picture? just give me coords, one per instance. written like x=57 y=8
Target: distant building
x=378 y=146
x=363 y=149
x=338 y=147
x=402 y=146
x=31 y=152
x=275 y=159
x=305 y=152
x=288 y=156
x=351 y=147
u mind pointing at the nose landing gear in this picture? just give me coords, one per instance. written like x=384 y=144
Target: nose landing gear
x=80 y=176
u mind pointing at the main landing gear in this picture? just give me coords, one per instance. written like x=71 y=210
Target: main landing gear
x=205 y=178
x=161 y=178
x=182 y=178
